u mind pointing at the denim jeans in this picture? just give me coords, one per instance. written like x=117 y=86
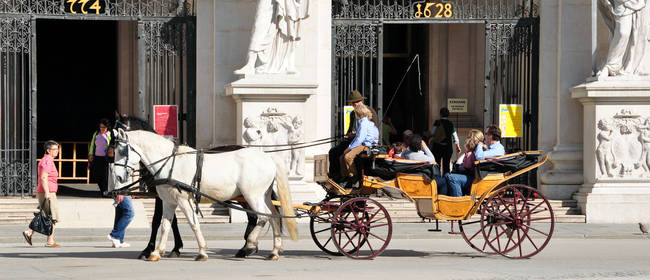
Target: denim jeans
x=123 y=215
x=442 y=185
x=458 y=183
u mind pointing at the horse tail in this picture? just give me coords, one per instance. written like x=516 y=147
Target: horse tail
x=284 y=194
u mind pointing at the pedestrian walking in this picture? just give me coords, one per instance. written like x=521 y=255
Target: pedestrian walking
x=443 y=137
x=123 y=216
x=46 y=190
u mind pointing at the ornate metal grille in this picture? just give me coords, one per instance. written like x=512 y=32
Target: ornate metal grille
x=166 y=44
x=512 y=77
x=114 y=8
x=357 y=59
x=16 y=122
x=406 y=9
x=167 y=70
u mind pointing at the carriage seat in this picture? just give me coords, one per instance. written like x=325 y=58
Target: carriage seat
x=505 y=165
x=387 y=168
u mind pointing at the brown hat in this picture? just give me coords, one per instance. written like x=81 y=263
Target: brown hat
x=355 y=96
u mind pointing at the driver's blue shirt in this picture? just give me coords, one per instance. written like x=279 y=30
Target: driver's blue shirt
x=367 y=134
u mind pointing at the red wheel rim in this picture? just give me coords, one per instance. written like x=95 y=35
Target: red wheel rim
x=320 y=226
x=364 y=225
x=517 y=221
x=472 y=233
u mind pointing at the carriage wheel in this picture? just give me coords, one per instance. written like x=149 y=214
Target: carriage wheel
x=361 y=228
x=320 y=226
x=517 y=221
x=472 y=233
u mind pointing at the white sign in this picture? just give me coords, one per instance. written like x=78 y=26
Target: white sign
x=457 y=105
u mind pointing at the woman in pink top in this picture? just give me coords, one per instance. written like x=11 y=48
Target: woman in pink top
x=460 y=180
x=46 y=191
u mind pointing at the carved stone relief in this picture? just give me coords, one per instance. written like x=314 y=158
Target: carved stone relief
x=273 y=127
x=623 y=148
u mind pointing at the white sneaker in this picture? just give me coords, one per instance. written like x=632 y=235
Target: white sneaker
x=116 y=242
x=125 y=245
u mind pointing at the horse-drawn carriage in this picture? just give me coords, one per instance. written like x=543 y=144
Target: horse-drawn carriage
x=515 y=221
x=512 y=220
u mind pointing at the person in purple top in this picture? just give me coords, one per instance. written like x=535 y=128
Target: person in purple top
x=97 y=158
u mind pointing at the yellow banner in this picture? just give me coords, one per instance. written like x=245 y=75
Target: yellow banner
x=511 y=120
x=347 y=110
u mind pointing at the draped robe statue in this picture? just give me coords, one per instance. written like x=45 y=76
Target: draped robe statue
x=274 y=35
x=629 y=48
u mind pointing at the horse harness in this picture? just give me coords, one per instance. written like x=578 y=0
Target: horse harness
x=149 y=180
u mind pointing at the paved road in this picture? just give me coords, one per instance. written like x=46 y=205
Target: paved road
x=564 y=258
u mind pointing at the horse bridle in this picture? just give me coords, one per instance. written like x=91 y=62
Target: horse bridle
x=125 y=165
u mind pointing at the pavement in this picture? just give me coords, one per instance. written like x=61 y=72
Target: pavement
x=12 y=233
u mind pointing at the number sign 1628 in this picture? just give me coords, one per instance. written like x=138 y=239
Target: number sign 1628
x=434 y=10
x=85 y=6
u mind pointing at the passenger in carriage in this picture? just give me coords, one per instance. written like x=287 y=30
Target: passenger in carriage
x=461 y=183
x=493 y=141
x=417 y=150
x=460 y=180
x=366 y=136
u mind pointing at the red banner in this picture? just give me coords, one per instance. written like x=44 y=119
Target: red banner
x=166 y=120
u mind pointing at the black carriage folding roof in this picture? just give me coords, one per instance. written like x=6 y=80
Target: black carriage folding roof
x=507 y=163
x=387 y=168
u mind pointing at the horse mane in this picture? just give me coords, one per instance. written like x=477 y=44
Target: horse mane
x=136 y=123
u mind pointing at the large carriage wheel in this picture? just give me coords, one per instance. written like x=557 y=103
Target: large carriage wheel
x=517 y=221
x=361 y=228
x=472 y=233
x=320 y=226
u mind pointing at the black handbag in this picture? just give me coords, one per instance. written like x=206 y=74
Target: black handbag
x=42 y=222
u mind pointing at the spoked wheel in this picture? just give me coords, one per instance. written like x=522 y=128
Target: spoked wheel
x=361 y=228
x=320 y=226
x=472 y=233
x=517 y=221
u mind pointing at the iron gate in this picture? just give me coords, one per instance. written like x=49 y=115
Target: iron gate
x=512 y=31
x=166 y=49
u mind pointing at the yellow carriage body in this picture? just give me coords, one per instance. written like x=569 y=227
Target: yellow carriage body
x=424 y=191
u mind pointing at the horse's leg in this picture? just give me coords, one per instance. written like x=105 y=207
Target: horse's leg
x=277 y=229
x=178 y=242
x=252 y=221
x=168 y=215
x=155 y=224
x=193 y=220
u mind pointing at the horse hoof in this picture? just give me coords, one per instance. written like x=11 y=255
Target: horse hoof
x=201 y=258
x=145 y=254
x=245 y=252
x=273 y=257
x=174 y=254
x=153 y=258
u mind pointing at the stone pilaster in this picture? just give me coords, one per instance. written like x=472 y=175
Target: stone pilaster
x=616 y=152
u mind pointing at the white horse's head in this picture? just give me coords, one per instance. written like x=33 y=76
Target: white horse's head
x=126 y=161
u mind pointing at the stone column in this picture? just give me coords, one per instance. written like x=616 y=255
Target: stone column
x=565 y=59
x=616 y=131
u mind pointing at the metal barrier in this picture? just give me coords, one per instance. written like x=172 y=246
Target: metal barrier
x=65 y=158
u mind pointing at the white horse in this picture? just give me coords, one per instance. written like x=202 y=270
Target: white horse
x=246 y=172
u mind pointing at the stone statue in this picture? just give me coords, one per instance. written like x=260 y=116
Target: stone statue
x=274 y=35
x=628 y=22
x=252 y=134
x=295 y=134
x=644 y=138
x=604 y=153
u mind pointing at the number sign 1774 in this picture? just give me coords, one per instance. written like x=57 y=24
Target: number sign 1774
x=434 y=9
x=80 y=6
